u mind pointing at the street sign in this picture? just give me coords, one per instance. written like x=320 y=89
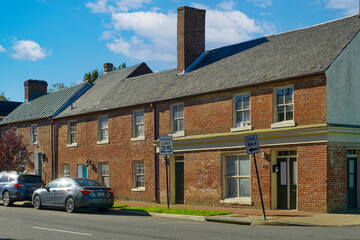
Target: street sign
x=166 y=145
x=251 y=144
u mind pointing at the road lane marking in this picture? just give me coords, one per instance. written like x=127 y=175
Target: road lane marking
x=63 y=231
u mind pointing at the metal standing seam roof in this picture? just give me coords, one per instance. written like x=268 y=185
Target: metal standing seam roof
x=291 y=54
x=44 y=106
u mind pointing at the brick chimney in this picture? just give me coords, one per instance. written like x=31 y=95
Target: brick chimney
x=190 y=36
x=108 y=67
x=34 y=88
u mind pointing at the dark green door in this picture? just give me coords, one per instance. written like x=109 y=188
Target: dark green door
x=351 y=192
x=293 y=182
x=179 y=182
x=282 y=184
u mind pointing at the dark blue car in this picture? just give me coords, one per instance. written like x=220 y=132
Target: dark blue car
x=18 y=186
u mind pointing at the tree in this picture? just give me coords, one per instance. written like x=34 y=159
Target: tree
x=3 y=98
x=12 y=151
x=56 y=87
x=121 y=66
x=91 y=76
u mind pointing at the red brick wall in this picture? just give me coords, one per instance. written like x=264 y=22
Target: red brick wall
x=119 y=153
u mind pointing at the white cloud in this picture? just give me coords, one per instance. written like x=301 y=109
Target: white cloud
x=102 y=6
x=227 y=6
x=151 y=35
x=28 y=50
x=261 y=3
x=349 y=7
x=2 y=49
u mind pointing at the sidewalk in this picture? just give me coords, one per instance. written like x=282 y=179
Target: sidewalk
x=254 y=217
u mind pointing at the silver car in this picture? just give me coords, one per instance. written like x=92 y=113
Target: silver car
x=74 y=193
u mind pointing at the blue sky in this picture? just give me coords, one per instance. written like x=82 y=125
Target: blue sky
x=60 y=40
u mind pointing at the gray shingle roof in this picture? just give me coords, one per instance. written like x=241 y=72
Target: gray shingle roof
x=44 y=106
x=296 y=53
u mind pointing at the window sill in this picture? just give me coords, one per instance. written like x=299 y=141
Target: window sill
x=139 y=189
x=178 y=134
x=239 y=129
x=135 y=139
x=35 y=143
x=283 y=124
x=103 y=142
x=72 y=145
x=242 y=201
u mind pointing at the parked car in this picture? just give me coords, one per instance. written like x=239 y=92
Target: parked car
x=74 y=193
x=18 y=186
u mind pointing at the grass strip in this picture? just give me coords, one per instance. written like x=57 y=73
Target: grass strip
x=155 y=209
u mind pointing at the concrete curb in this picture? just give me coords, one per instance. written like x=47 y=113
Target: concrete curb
x=228 y=220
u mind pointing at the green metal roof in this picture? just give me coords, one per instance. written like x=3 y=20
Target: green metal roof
x=45 y=106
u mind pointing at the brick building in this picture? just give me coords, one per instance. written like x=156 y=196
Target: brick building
x=298 y=91
x=32 y=120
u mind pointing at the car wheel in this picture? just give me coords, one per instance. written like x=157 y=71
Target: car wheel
x=37 y=202
x=6 y=199
x=70 y=205
x=103 y=209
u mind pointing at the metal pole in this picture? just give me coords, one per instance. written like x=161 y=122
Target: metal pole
x=167 y=181
x=262 y=201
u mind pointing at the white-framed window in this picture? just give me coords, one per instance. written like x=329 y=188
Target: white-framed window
x=241 y=112
x=284 y=104
x=236 y=177
x=177 y=118
x=65 y=169
x=138 y=125
x=104 y=173
x=103 y=128
x=33 y=129
x=138 y=175
x=72 y=133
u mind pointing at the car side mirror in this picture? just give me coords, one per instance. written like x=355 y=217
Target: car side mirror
x=47 y=188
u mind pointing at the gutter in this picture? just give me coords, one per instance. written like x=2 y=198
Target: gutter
x=155 y=130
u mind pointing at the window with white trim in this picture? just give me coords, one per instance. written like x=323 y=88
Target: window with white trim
x=104 y=174
x=284 y=104
x=103 y=128
x=72 y=132
x=33 y=129
x=138 y=124
x=138 y=174
x=177 y=118
x=65 y=169
x=242 y=110
x=237 y=177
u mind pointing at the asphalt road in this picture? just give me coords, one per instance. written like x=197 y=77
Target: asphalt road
x=21 y=222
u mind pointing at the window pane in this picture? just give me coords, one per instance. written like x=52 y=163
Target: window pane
x=232 y=187
x=289 y=115
x=244 y=167
x=231 y=166
x=283 y=171
x=288 y=95
x=351 y=180
x=139 y=117
x=279 y=96
x=181 y=110
x=351 y=166
x=239 y=102
x=175 y=111
x=239 y=119
x=246 y=100
x=179 y=125
x=244 y=187
x=247 y=116
x=281 y=116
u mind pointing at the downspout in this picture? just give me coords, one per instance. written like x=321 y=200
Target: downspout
x=155 y=130
x=52 y=151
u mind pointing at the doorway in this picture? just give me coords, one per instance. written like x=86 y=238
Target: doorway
x=352 y=179
x=82 y=171
x=287 y=180
x=177 y=179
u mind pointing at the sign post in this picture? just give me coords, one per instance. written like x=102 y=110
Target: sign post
x=252 y=147
x=166 y=146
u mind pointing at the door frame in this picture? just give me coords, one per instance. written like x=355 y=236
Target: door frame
x=172 y=177
x=274 y=177
x=353 y=153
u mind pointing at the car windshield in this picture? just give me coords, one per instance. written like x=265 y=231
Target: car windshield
x=29 y=179
x=88 y=183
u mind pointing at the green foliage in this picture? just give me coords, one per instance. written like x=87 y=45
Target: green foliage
x=121 y=66
x=156 y=209
x=91 y=76
x=3 y=98
x=56 y=87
